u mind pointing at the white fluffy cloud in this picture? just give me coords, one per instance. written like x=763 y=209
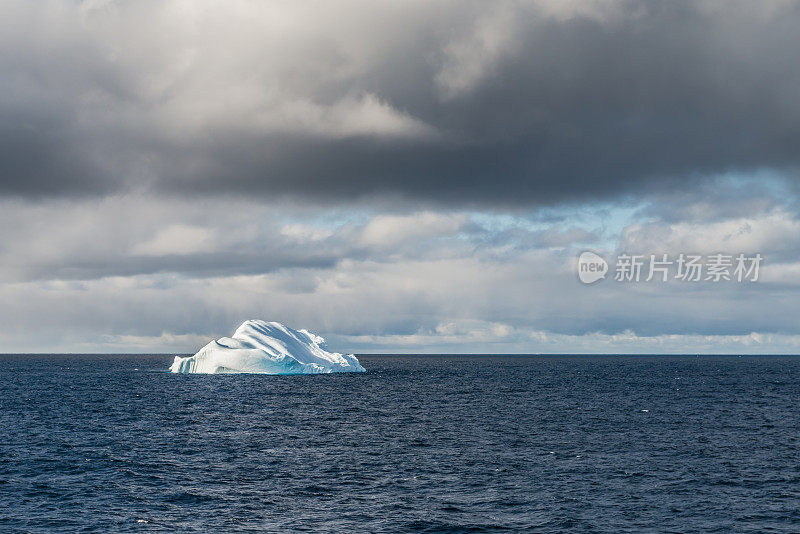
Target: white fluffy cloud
x=776 y=232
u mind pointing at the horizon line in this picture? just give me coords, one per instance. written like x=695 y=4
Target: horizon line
x=5 y=354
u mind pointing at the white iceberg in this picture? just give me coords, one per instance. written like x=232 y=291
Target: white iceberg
x=269 y=348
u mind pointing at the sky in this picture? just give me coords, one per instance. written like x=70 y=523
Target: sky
x=399 y=177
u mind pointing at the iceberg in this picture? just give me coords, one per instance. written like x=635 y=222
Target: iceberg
x=269 y=348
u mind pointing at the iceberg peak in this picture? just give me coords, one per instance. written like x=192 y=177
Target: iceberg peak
x=270 y=348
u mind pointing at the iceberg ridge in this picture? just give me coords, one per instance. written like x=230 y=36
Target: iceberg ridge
x=270 y=348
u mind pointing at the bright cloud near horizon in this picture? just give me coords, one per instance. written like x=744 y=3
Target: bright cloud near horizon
x=397 y=177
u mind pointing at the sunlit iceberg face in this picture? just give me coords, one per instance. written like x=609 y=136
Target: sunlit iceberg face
x=269 y=348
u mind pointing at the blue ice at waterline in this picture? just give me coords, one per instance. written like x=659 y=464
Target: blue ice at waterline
x=269 y=348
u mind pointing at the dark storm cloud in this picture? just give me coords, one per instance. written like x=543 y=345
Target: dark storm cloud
x=40 y=157
x=497 y=103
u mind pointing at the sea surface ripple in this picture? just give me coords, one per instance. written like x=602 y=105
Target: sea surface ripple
x=417 y=444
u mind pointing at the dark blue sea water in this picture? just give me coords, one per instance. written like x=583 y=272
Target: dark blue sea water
x=418 y=444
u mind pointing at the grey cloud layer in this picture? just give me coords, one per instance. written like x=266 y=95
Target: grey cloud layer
x=460 y=102
x=141 y=235
x=143 y=267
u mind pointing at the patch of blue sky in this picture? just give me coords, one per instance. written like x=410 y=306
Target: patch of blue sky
x=606 y=220
x=326 y=219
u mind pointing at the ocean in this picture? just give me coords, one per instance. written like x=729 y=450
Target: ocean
x=417 y=444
